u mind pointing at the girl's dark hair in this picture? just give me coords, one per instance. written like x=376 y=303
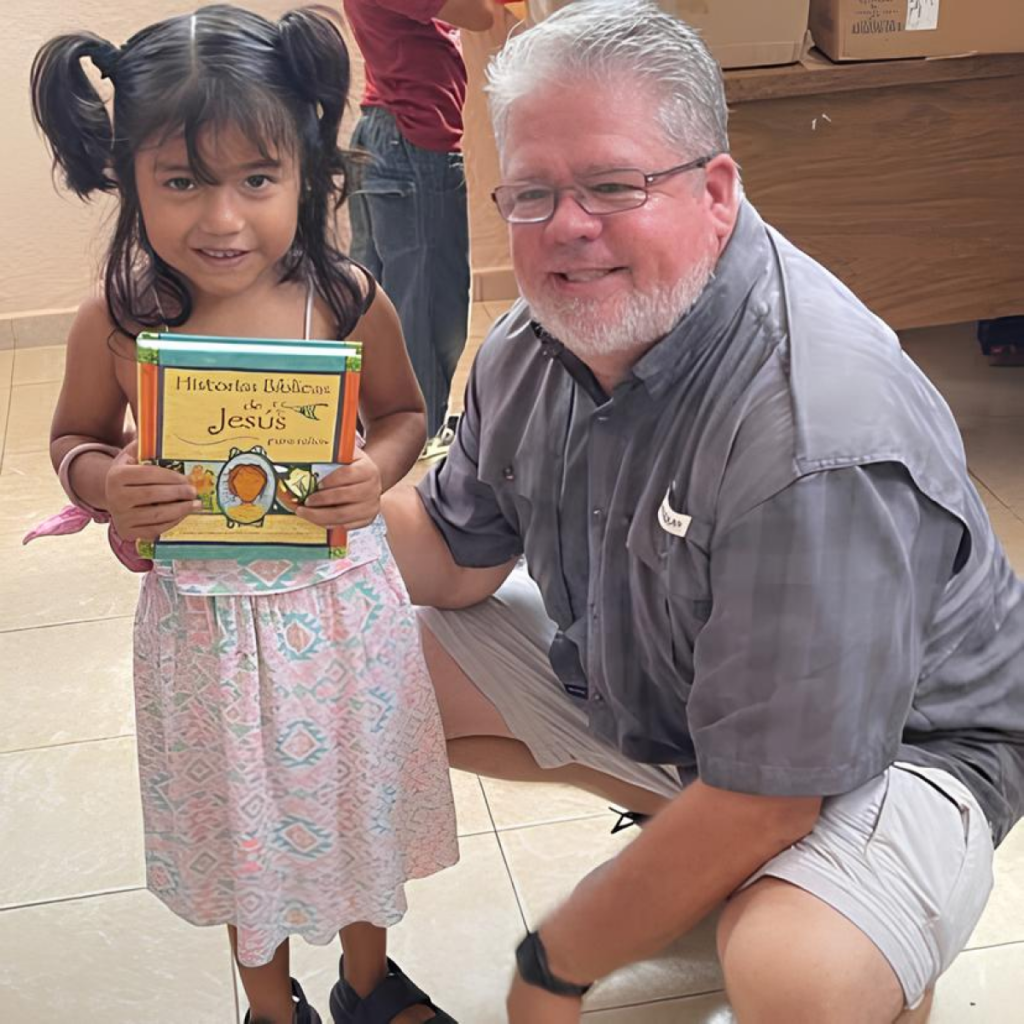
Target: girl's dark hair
x=283 y=85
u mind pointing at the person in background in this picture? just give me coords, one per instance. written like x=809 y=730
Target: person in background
x=764 y=600
x=409 y=214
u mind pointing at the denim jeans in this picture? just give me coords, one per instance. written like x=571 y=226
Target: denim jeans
x=410 y=230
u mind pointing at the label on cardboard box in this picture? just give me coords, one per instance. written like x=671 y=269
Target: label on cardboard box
x=874 y=18
x=922 y=15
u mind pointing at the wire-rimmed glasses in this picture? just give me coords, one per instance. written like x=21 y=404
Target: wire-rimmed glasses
x=614 y=191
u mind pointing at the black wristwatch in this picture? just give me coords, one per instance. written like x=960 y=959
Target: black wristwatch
x=532 y=961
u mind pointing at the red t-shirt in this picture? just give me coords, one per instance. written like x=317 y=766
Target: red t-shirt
x=414 y=68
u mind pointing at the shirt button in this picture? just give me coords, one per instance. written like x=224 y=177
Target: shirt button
x=508 y=473
x=597 y=513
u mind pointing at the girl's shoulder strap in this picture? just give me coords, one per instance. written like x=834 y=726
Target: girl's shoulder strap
x=307 y=319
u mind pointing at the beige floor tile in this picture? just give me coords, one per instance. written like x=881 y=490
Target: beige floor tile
x=5 y=406
x=547 y=861
x=1003 y=920
x=994 y=455
x=497 y=307
x=953 y=360
x=480 y=320
x=6 y=367
x=121 y=959
x=6 y=334
x=709 y=1009
x=1009 y=527
x=984 y=986
x=457 y=942
x=470 y=805
x=514 y=804
x=64 y=684
x=59 y=579
x=28 y=423
x=74 y=816
x=42 y=365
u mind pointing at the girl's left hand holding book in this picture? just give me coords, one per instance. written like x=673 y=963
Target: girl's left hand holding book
x=348 y=497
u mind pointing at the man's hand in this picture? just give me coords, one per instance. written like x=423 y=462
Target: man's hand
x=145 y=501
x=528 y=1004
x=348 y=497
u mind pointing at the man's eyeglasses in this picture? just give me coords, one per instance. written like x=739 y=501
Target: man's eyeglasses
x=598 y=194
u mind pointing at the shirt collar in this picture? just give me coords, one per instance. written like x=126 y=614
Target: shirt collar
x=746 y=258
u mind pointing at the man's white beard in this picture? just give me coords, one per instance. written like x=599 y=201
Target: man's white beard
x=594 y=329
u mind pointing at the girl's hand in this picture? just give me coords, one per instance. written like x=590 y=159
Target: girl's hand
x=145 y=501
x=348 y=497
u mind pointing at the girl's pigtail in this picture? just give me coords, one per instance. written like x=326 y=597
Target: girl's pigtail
x=317 y=58
x=70 y=112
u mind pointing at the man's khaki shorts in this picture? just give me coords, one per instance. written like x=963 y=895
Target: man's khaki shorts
x=907 y=857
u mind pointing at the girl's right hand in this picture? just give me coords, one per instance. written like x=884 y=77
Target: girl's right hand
x=145 y=501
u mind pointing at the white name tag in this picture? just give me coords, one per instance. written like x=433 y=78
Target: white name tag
x=672 y=521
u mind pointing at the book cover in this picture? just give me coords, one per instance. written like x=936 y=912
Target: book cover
x=254 y=425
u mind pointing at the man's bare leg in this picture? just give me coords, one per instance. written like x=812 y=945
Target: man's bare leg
x=790 y=958
x=479 y=740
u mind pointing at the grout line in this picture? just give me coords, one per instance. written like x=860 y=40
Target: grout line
x=4 y=427
x=67 y=743
x=550 y=821
x=512 y=881
x=655 y=1002
x=992 y=945
x=72 y=899
x=504 y=857
x=70 y=622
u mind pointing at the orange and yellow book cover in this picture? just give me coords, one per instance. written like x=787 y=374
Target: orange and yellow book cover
x=255 y=425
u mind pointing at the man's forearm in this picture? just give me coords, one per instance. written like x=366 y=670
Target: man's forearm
x=692 y=856
x=431 y=575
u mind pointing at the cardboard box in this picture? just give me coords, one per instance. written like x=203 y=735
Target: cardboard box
x=885 y=29
x=740 y=33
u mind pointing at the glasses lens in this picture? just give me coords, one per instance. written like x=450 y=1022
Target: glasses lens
x=524 y=203
x=612 y=191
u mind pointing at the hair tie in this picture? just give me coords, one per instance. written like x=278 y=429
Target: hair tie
x=105 y=60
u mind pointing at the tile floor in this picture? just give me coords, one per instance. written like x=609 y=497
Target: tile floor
x=80 y=940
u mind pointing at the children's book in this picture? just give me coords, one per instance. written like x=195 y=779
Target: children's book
x=254 y=425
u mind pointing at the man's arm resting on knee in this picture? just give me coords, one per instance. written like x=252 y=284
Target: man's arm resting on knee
x=431 y=574
x=694 y=854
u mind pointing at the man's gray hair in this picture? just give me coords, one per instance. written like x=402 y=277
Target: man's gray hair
x=609 y=39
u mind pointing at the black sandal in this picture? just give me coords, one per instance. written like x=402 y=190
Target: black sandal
x=304 y=1013
x=393 y=995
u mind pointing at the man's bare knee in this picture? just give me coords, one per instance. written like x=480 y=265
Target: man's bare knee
x=789 y=958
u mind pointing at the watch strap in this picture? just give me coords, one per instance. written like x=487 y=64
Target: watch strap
x=532 y=961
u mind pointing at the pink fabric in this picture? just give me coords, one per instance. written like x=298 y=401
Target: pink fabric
x=72 y=519
x=414 y=68
x=76 y=517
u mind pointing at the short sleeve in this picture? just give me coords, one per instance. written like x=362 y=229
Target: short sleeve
x=465 y=508
x=805 y=672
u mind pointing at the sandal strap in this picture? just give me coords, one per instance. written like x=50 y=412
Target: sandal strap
x=393 y=995
x=397 y=992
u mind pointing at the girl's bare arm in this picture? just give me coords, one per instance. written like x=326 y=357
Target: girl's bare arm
x=92 y=404
x=391 y=405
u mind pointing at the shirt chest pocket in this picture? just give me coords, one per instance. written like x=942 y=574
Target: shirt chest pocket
x=670 y=592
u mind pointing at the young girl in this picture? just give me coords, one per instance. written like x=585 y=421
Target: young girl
x=292 y=763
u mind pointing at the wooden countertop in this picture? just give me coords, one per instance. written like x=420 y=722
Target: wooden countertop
x=816 y=75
